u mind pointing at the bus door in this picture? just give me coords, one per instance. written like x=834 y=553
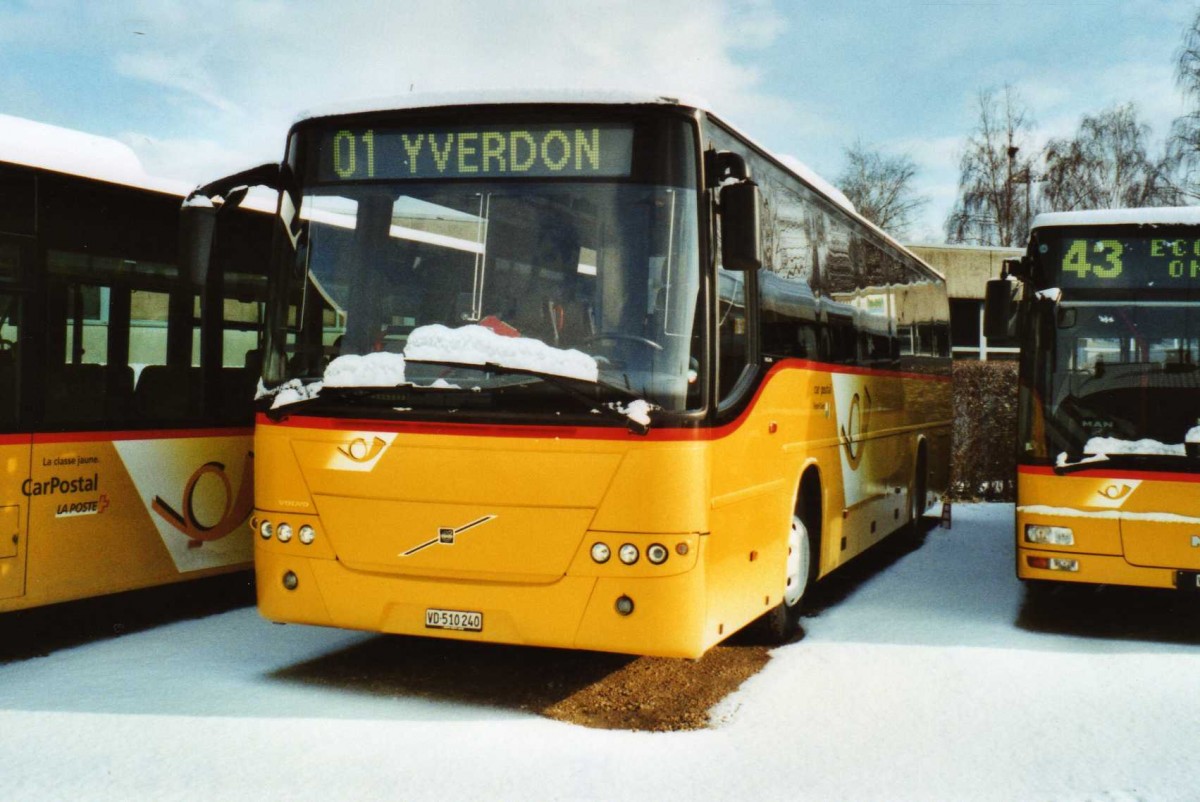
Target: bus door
x=15 y=439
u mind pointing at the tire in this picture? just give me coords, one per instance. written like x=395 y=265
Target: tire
x=916 y=505
x=782 y=622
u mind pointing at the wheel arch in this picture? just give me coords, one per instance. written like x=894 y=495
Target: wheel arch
x=810 y=506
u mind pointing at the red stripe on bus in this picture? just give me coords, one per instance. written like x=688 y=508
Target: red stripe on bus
x=1105 y=473
x=580 y=432
x=144 y=434
x=15 y=439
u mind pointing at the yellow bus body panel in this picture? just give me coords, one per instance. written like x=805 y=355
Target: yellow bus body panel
x=85 y=515
x=1129 y=528
x=502 y=520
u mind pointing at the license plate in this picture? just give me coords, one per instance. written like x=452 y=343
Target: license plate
x=461 y=620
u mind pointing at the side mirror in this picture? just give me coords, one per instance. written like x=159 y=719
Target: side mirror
x=198 y=216
x=197 y=223
x=741 y=238
x=1000 y=309
x=1018 y=268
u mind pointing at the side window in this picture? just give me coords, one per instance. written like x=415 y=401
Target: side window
x=119 y=343
x=876 y=306
x=10 y=352
x=17 y=201
x=732 y=325
x=787 y=304
x=242 y=313
x=838 y=293
x=733 y=313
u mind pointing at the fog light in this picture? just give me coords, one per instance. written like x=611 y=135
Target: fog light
x=290 y=581
x=307 y=535
x=625 y=605
x=1063 y=564
x=628 y=554
x=601 y=552
x=284 y=533
x=657 y=553
x=1049 y=535
x=266 y=530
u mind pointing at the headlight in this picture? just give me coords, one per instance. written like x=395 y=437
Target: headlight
x=601 y=552
x=266 y=530
x=628 y=554
x=1049 y=535
x=657 y=553
x=307 y=535
x=284 y=533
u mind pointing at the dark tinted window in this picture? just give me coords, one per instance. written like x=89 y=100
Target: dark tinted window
x=17 y=201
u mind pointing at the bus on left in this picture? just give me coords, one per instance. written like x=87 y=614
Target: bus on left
x=126 y=386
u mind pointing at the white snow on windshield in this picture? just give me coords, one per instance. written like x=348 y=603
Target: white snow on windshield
x=1112 y=445
x=290 y=392
x=469 y=345
x=477 y=345
x=369 y=370
x=637 y=411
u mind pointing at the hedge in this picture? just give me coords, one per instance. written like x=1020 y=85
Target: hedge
x=983 y=466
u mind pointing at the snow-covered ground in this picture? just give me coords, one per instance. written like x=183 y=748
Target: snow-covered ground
x=932 y=679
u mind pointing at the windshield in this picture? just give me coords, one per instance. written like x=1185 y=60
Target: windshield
x=1111 y=355
x=1123 y=378
x=607 y=269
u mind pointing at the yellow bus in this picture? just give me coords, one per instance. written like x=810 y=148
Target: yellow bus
x=1108 y=475
x=126 y=400
x=592 y=372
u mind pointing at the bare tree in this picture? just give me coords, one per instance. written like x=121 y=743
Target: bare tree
x=880 y=187
x=995 y=181
x=1105 y=166
x=1183 y=146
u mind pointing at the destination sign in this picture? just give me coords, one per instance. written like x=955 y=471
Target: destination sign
x=494 y=151
x=1127 y=262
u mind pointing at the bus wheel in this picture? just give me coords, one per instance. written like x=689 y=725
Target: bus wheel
x=916 y=505
x=782 y=621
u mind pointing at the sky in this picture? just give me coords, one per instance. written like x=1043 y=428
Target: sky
x=202 y=88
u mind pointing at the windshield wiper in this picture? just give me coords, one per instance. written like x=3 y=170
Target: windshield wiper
x=569 y=385
x=349 y=395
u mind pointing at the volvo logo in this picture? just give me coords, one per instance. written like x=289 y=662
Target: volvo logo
x=447 y=535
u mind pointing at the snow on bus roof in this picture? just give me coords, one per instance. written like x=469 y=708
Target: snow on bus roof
x=426 y=100
x=499 y=97
x=64 y=150
x=1167 y=215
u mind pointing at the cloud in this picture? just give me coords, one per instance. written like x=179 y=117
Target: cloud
x=237 y=76
x=177 y=71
